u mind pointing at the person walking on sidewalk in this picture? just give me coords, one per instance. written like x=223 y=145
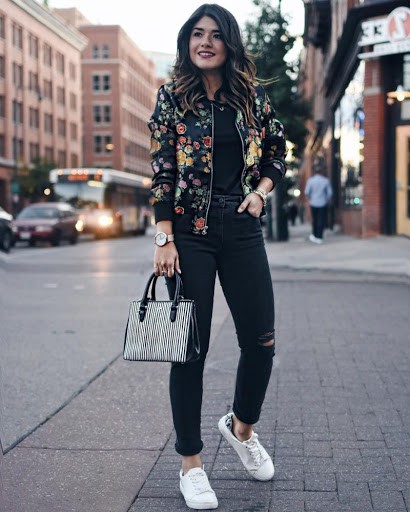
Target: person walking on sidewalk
x=217 y=151
x=318 y=190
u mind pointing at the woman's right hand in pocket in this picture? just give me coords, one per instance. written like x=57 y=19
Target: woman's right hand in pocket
x=166 y=260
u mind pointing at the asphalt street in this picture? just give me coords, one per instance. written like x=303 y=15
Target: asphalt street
x=85 y=431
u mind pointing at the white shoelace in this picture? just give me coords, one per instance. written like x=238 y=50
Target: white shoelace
x=199 y=482
x=254 y=449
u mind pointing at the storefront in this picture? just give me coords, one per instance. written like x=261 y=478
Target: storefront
x=368 y=87
x=385 y=45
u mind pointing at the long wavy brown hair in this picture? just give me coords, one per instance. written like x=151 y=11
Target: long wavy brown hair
x=238 y=72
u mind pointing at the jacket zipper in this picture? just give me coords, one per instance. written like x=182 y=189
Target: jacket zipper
x=212 y=173
x=243 y=156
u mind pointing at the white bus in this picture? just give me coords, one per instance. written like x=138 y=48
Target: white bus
x=110 y=202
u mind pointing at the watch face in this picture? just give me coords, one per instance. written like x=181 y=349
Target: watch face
x=160 y=239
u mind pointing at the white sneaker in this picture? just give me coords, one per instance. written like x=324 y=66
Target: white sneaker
x=252 y=454
x=196 y=490
x=315 y=240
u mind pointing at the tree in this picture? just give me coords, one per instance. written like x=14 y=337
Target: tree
x=268 y=40
x=35 y=180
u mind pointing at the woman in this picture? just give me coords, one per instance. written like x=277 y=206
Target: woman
x=217 y=151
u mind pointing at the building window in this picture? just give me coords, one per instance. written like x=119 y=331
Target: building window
x=2 y=146
x=102 y=114
x=2 y=67
x=48 y=123
x=17 y=112
x=74 y=160
x=17 y=75
x=96 y=82
x=106 y=82
x=48 y=154
x=101 y=82
x=96 y=51
x=102 y=143
x=47 y=89
x=33 y=81
x=107 y=113
x=60 y=62
x=73 y=71
x=2 y=106
x=349 y=135
x=97 y=113
x=97 y=144
x=17 y=36
x=18 y=149
x=73 y=129
x=61 y=159
x=34 y=152
x=73 y=101
x=61 y=95
x=47 y=55
x=33 y=46
x=61 y=130
x=105 y=51
x=34 y=117
x=2 y=27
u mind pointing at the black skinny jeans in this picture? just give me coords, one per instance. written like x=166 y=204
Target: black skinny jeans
x=234 y=248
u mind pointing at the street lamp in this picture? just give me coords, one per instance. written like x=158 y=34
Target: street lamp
x=400 y=94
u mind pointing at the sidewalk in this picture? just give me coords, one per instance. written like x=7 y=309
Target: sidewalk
x=336 y=417
x=388 y=255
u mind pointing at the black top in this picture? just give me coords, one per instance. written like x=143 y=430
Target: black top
x=228 y=161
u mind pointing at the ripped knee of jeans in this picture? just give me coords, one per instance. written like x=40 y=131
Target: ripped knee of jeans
x=267 y=341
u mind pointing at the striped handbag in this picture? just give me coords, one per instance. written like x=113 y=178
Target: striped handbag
x=162 y=330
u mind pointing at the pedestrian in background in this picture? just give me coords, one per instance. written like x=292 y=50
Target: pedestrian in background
x=217 y=151
x=318 y=190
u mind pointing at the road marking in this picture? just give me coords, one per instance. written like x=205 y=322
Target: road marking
x=50 y=285
x=79 y=287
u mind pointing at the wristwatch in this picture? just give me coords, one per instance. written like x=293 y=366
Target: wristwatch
x=161 y=239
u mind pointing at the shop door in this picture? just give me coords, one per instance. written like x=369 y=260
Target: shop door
x=403 y=180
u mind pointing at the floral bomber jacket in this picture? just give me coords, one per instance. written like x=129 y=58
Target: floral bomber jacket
x=181 y=151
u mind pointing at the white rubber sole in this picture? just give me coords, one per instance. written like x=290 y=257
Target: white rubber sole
x=199 y=506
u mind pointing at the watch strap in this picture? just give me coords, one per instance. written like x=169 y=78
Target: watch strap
x=169 y=238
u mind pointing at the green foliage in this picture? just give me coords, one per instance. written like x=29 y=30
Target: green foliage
x=33 y=181
x=268 y=40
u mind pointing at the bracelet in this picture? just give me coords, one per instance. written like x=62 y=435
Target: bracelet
x=262 y=194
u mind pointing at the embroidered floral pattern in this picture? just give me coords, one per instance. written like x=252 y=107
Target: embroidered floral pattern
x=181 y=150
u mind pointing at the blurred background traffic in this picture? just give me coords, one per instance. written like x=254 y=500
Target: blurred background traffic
x=77 y=86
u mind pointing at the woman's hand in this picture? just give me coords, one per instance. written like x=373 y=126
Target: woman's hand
x=166 y=260
x=253 y=203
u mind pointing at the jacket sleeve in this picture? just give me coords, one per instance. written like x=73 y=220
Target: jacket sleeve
x=163 y=156
x=274 y=149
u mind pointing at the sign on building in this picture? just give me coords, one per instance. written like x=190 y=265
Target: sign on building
x=387 y=35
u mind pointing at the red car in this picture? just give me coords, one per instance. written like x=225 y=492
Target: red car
x=51 y=222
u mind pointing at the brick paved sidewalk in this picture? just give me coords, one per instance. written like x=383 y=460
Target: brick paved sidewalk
x=336 y=417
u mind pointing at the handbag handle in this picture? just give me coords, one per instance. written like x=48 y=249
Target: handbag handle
x=145 y=298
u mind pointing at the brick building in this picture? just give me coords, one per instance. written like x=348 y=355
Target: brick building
x=119 y=84
x=356 y=71
x=40 y=91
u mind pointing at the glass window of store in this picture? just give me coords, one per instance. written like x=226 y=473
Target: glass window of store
x=348 y=130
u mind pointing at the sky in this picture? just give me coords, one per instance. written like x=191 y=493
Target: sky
x=154 y=25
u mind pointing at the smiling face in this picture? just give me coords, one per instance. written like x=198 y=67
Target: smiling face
x=207 y=51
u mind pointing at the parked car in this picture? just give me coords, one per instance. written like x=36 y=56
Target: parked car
x=6 y=231
x=52 y=222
